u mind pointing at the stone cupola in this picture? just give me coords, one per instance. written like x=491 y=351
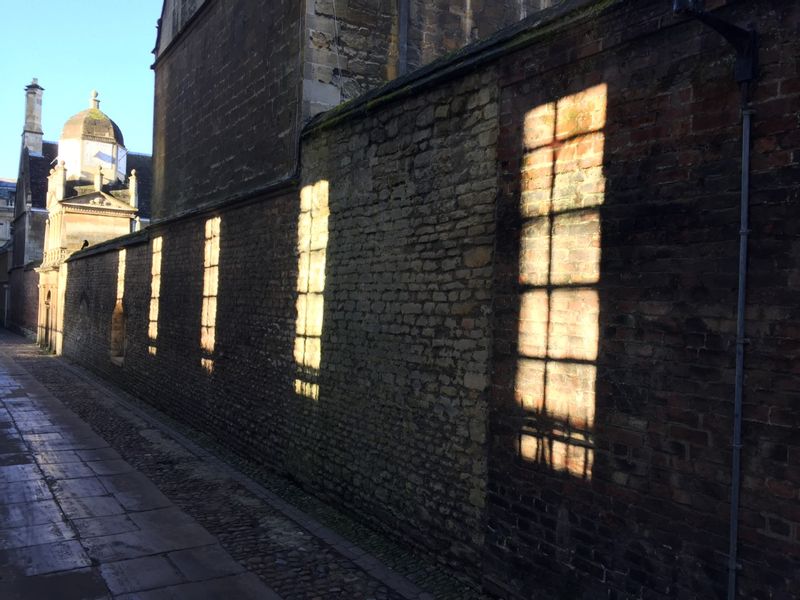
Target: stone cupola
x=90 y=139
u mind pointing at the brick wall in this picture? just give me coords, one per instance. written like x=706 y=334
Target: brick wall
x=405 y=335
x=23 y=300
x=616 y=298
x=226 y=104
x=395 y=428
x=500 y=312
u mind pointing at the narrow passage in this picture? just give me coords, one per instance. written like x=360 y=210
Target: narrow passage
x=99 y=501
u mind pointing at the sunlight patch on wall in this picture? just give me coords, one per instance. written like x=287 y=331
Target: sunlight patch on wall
x=562 y=189
x=208 y=318
x=117 y=349
x=121 y=256
x=155 y=293
x=312 y=243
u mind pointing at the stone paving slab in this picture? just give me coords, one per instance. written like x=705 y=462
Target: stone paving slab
x=151 y=515
x=29 y=513
x=76 y=584
x=67 y=508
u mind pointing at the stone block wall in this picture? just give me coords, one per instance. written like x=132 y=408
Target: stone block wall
x=385 y=269
x=222 y=89
x=499 y=311
x=369 y=35
x=226 y=104
x=406 y=327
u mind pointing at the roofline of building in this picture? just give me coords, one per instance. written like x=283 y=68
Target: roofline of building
x=178 y=37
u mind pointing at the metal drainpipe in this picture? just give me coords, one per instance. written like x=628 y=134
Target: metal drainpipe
x=403 y=17
x=745 y=42
x=740 y=342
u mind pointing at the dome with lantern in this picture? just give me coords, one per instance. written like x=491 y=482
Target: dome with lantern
x=90 y=139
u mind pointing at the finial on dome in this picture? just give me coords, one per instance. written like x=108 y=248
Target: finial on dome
x=93 y=101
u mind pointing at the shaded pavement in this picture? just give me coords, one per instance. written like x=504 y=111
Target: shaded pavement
x=100 y=500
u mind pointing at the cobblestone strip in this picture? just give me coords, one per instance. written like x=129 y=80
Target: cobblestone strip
x=360 y=557
x=257 y=527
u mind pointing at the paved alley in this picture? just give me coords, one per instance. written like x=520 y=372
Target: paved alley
x=100 y=499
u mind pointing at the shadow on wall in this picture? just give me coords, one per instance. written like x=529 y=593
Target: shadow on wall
x=231 y=331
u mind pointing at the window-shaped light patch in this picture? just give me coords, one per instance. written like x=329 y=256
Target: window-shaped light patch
x=121 y=257
x=117 y=350
x=562 y=190
x=155 y=293
x=208 y=318
x=312 y=243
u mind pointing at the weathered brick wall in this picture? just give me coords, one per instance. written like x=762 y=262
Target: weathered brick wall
x=246 y=399
x=501 y=312
x=226 y=104
x=396 y=427
x=23 y=300
x=616 y=301
x=405 y=335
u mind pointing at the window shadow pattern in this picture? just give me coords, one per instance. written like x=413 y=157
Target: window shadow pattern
x=312 y=243
x=117 y=345
x=208 y=317
x=562 y=187
x=156 y=247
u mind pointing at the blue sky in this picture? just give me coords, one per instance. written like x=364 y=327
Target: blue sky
x=73 y=47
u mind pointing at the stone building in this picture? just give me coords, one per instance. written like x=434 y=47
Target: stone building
x=8 y=193
x=86 y=188
x=320 y=53
x=490 y=306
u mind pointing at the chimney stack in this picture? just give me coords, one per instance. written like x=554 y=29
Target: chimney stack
x=32 y=134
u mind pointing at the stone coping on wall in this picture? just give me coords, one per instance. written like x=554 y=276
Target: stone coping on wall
x=132 y=239
x=143 y=236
